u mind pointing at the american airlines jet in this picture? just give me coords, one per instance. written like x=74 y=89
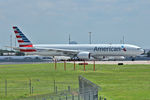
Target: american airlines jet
x=82 y=51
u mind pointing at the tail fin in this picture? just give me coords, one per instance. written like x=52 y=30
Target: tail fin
x=24 y=43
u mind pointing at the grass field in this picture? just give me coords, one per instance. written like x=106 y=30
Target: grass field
x=127 y=82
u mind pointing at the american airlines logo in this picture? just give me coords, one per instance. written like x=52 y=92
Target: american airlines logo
x=123 y=48
x=109 y=49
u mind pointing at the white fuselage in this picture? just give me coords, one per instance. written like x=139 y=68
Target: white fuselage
x=82 y=51
x=94 y=49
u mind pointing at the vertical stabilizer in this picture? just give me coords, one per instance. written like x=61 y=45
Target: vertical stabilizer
x=24 y=43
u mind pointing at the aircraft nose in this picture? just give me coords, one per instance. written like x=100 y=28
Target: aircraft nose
x=142 y=51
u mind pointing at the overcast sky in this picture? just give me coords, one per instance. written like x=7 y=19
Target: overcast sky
x=51 y=21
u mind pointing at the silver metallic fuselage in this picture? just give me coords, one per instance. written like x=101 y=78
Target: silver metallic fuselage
x=94 y=49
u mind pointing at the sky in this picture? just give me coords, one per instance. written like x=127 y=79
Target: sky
x=51 y=21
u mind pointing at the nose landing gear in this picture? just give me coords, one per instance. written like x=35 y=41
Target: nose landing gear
x=132 y=58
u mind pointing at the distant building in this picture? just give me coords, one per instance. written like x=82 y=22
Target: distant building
x=73 y=42
x=9 y=54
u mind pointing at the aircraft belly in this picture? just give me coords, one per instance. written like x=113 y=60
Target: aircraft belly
x=53 y=53
x=110 y=54
x=48 y=53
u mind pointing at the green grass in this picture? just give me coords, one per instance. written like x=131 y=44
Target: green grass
x=127 y=82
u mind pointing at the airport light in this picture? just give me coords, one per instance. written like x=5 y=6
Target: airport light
x=90 y=41
x=11 y=41
x=15 y=41
x=123 y=40
x=69 y=39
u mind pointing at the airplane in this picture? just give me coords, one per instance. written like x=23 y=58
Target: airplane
x=82 y=51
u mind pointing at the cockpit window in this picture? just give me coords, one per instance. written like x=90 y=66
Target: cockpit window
x=139 y=48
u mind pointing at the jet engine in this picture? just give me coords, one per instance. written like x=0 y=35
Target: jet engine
x=84 y=55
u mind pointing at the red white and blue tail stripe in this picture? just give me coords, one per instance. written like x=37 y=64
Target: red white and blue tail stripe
x=24 y=44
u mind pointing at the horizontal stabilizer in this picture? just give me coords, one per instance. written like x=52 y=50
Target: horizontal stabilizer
x=15 y=48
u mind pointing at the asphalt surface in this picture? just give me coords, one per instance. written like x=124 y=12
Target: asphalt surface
x=115 y=62
x=8 y=63
x=89 y=62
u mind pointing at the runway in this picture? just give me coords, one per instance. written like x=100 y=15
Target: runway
x=9 y=63
x=114 y=62
x=77 y=62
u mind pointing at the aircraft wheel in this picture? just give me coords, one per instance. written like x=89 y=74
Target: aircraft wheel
x=133 y=59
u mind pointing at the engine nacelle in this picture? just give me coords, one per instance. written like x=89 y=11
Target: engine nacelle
x=84 y=55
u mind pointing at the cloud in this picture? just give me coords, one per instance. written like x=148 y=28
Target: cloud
x=107 y=1
x=44 y=5
x=2 y=15
x=74 y=15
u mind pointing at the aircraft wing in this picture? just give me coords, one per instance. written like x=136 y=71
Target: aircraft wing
x=65 y=51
